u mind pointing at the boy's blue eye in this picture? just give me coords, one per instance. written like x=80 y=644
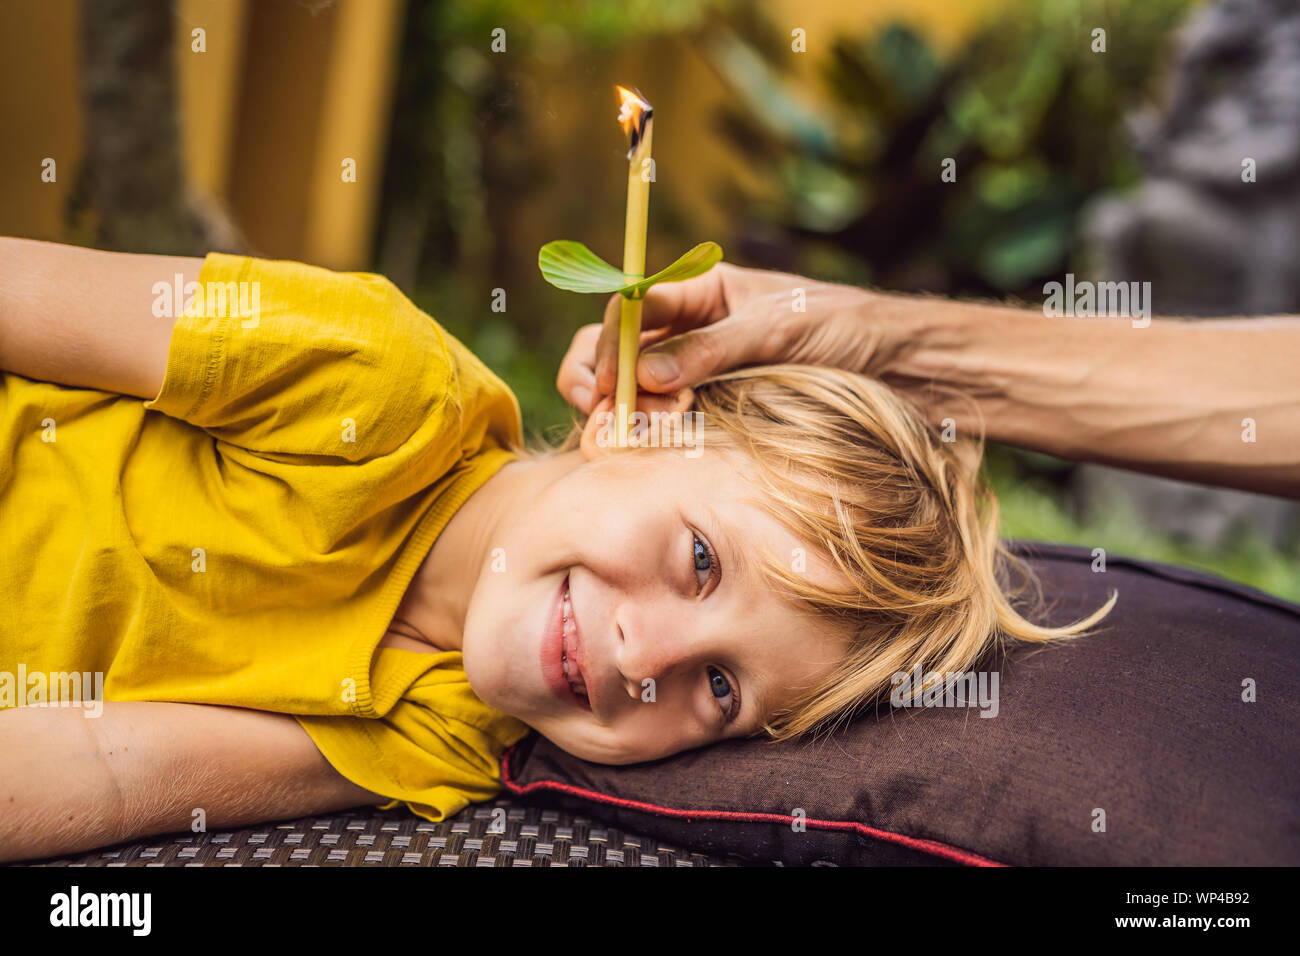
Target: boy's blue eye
x=723 y=693
x=704 y=561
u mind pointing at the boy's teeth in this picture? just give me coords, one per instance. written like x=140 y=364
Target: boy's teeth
x=579 y=689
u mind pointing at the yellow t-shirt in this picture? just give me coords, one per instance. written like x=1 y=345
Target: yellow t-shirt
x=246 y=537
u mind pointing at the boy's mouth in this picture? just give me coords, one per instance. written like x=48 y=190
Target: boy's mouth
x=570 y=652
x=561 y=652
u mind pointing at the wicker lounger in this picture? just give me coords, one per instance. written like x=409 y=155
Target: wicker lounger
x=534 y=836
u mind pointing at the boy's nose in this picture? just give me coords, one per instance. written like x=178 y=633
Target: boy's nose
x=653 y=652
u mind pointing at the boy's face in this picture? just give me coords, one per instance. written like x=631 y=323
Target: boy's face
x=669 y=638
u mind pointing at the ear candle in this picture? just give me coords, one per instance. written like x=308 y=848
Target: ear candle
x=636 y=116
x=568 y=264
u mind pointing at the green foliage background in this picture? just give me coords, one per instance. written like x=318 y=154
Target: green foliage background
x=1033 y=117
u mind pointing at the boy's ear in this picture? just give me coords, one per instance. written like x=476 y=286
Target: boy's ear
x=600 y=432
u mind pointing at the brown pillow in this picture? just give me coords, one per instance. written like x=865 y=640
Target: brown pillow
x=1131 y=746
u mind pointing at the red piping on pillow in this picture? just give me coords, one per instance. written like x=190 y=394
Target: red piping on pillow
x=932 y=847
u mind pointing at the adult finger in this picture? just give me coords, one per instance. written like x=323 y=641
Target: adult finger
x=576 y=380
x=758 y=332
x=668 y=308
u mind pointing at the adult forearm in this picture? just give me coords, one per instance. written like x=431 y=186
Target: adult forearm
x=1210 y=401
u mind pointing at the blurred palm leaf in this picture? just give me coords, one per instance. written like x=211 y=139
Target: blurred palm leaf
x=1027 y=116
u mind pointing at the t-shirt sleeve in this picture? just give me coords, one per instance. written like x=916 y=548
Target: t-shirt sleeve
x=291 y=360
x=436 y=748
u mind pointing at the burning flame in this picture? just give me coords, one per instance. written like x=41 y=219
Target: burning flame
x=634 y=113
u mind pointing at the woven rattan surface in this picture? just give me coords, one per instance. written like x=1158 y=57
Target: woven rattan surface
x=533 y=836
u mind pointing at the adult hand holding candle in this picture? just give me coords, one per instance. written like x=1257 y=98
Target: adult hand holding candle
x=570 y=265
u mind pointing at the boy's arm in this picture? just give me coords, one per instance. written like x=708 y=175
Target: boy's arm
x=72 y=783
x=83 y=317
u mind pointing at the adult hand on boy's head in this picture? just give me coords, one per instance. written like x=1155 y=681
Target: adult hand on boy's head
x=726 y=318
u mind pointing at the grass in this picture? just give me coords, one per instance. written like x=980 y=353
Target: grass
x=1032 y=507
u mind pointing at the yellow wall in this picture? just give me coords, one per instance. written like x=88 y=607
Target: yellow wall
x=286 y=89
x=358 y=89
x=213 y=79
x=283 y=92
x=40 y=115
x=693 y=162
x=944 y=22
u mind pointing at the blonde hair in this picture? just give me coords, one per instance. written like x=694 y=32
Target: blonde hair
x=850 y=465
